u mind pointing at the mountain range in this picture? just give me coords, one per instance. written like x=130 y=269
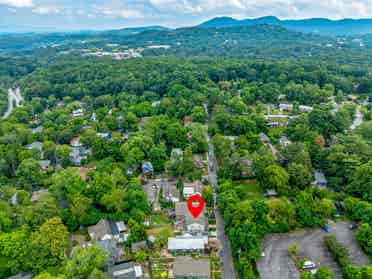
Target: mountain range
x=321 y=26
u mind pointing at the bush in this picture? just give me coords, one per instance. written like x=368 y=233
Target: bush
x=364 y=238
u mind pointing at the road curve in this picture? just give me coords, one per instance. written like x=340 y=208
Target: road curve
x=14 y=95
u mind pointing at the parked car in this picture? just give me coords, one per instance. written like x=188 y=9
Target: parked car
x=326 y=228
x=353 y=226
x=308 y=265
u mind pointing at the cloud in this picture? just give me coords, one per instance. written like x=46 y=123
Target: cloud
x=17 y=3
x=46 y=10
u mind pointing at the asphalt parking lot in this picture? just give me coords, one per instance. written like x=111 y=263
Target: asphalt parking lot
x=276 y=264
x=347 y=238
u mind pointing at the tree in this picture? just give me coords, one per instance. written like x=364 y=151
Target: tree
x=84 y=261
x=15 y=248
x=361 y=182
x=324 y=273
x=49 y=245
x=208 y=196
x=46 y=275
x=299 y=175
x=29 y=173
x=364 y=237
x=158 y=156
x=275 y=177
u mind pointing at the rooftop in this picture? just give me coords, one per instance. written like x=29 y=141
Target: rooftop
x=187 y=266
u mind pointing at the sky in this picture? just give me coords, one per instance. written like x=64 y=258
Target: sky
x=64 y=15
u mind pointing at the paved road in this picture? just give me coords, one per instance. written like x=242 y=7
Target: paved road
x=358 y=120
x=227 y=264
x=14 y=95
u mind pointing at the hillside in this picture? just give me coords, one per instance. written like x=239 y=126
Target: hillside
x=321 y=26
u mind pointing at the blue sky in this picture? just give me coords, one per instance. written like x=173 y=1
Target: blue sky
x=98 y=14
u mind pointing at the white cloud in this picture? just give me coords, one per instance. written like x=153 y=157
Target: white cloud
x=17 y=3
x=46 y=10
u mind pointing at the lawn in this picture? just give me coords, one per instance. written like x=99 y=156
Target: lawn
x=248 y=189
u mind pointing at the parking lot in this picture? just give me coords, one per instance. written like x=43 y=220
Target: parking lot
x=277 y=264
x=347 y=238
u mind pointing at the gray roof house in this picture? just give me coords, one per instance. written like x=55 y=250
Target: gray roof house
x=187 y=267
x=106 y=229
x=125 y=270
x=187 y=244
x=21 y=275
x=115 y=253
x=185 y=222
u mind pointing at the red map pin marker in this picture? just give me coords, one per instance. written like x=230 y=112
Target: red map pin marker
x=195 y=204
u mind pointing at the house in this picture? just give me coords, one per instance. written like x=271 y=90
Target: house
x=37 y=145
x=285 y=107
x=192 y=188
x=305 y=108
x=320 y=180
x=198 y=161
x=187 y=244
x=93 y=117
x=37 y=130
x=44 y=164
x=171 y=193
x=77 y=113
x=75 y=142
x=147 y=168
x=155 y=104
x=78 y=153
x=273 y=124
x=284 y=141
x=22 y=275
x=106 y=229
x=188 y=268
x=271 y=193
x=115 y=253
x=125 y=270
x=105 y=136
x=185 y=222
x=136 y=246
x=36 y=195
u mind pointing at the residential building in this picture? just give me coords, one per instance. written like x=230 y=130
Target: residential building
x=284 y=141
x=44 y=164
x=185 y=222
x=147 y=168
x=192 y=188
x=77 y=113
x=22 y=275
x=105 y=136
x=171 y=193
x=37 y=130
x=125 y=270
x=115 y=252
x=305 y=108
x=320 y=180
x=187 y=244
x=286 y=107
x=37 y=145
x=188 y=268
x=106 y=229
x=36 y=195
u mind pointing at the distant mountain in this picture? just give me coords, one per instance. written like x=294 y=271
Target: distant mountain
x=135 y=30
x=321 y=26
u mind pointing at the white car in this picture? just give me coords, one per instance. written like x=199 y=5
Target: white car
x=308 y=265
